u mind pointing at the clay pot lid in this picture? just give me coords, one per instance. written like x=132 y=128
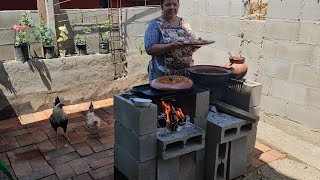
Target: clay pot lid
x=172 y=83
x=237 y=59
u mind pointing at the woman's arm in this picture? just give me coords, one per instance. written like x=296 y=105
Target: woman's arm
x=152 y=41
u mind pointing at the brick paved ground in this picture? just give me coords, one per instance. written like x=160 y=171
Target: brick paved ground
x=27 y=145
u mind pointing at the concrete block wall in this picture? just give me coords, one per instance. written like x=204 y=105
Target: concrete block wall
x=282 y=52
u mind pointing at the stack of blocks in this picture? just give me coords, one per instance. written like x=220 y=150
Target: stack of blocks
x=135 y=139
x=247 y=98
x=226 y=146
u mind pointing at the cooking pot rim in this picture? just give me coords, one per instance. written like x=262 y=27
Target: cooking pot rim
x=226 y=71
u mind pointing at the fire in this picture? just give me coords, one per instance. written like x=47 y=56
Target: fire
x=176 y=112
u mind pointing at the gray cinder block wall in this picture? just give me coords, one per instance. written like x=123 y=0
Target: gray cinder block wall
x=282 y=52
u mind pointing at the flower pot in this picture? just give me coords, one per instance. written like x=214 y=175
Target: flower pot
x=104 y=47
x=21 y=52
x=62 y=53
x=240 y=69
x=48 y=52
x=81 y=49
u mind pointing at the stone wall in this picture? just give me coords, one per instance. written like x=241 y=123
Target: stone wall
x=282 y=51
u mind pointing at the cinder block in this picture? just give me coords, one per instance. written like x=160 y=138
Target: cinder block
x=206 y=23
x=280 y=29
x=310 y=11
x=200 y=163
x=216 y=160
x=168 y=169
x=237 y=9
x=304 y=115
x=251 y=140
x=309 y=32
x=141 y=148
x=218 y=8
x=227 y=25
x=201 y=122
x=237 y=158
x=284 y=9
x=255 y=110
x=293 y=92
x=252 y=30
x=294 y=52
x=313 y=99
x=246 y=97
x=310 y=75
x=224 y=128
x=187 y=167
x=276 y=68
x=131 y=168
x=196 y=105
x=176 y=143
x=141 y=121
x=275 y=105
x=268 y=48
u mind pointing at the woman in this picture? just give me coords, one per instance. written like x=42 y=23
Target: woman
x=164 y=39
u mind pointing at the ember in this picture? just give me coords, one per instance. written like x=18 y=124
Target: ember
x=173 y=116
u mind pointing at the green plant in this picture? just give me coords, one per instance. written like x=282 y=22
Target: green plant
x=63 y=36
x=82 y=39
x=142 y=48
x=104 y=36
x=21 y=34
x=5 y=169
x=44 y=34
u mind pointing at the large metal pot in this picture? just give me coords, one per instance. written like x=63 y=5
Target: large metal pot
x=209 y=76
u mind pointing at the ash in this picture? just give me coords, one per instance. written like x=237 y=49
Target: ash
x=221 y=118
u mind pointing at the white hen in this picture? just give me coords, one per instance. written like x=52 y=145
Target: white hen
x=93 y=122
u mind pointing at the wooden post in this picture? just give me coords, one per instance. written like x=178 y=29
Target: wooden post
x=42 y=11
x=52 y=8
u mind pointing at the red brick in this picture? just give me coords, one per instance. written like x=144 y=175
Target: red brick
x=48 y=112
x=85 y=176
x=46 y=146
x=82 y=131
x=39 y=116
x=271 y=155
x=109 y=109
x=75 y=138
x=26 y=119
x=21 y=150
x=101 y=162
x=256 y=152
x=97 y=156
x=74 y=125
x=58 y=152
x=26 y=156
x=75 y=115
x=64 y=171
x=15 y=133
x=7 y=145
x=21 y=168
x=107 y=133
x=50 y=132
x=106 y=140
x=63 y=159
x=102 y=172
x=106 y=128
x=256 y=163
x=52 y=177
x=80 y=166
x=95 y=145
x=83 y=149
x=262 y=147
x=9 y=123
x=33 y=138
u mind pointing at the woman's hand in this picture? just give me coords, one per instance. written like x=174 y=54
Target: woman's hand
x=177 y=45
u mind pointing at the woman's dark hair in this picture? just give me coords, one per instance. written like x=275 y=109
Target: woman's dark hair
x=162 y=1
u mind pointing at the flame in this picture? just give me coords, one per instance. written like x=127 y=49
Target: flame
x=167 y=108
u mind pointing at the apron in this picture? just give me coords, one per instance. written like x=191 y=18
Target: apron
x=177 y=60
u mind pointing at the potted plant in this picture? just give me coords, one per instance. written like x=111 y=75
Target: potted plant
x=81 y=42
x=44 y=34
x=63 y=37
x=104 y=37
x=21 y=48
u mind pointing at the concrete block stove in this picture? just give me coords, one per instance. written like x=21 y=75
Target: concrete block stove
x=203 y=144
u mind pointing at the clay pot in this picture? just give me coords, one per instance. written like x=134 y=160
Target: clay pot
x=236 y=63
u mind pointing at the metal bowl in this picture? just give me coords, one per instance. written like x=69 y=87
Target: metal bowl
x=141 y=102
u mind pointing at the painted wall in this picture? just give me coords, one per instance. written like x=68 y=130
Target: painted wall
x=282 y=52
